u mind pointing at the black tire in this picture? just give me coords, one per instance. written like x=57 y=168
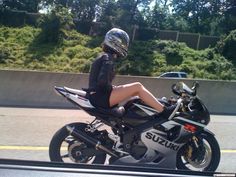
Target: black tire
x=215 y=154
x=59 y=138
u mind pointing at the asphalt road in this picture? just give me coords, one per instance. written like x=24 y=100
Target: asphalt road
x=25 y=133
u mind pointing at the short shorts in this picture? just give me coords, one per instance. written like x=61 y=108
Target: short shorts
x=100 y=98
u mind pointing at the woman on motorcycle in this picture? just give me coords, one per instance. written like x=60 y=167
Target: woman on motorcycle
x=102 y=92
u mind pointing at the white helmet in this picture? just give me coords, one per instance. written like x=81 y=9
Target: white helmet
x=117 y=40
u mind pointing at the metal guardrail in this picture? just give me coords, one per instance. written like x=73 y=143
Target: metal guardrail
x=21 y=168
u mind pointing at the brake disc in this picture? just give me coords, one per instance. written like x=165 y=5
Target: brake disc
x=75 y=152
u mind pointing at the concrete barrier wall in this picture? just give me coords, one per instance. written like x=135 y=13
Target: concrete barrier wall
x=36 y=89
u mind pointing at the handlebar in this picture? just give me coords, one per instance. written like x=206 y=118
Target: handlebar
x=179 y=102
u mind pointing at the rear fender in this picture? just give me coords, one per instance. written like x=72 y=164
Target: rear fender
x=76 y=99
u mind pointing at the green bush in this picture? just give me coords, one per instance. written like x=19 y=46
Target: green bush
x=227 y=47
x=4 y=54
x=54 y=24
x=155 y=57
x=21 y=48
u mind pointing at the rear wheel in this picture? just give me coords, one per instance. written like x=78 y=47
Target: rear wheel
x=65 y=148
x=201 y=153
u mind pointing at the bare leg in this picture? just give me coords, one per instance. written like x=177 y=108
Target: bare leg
x=124 y=92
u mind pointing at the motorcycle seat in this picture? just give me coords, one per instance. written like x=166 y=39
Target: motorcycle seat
x=117 y=111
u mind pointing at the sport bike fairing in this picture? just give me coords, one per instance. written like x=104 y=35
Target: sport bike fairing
x=156 y=154
x=76 y=96
x=158 y=146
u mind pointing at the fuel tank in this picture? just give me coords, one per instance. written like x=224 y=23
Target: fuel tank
x=137 y=112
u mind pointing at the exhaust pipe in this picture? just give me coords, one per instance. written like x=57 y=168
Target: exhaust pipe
x=84 y=137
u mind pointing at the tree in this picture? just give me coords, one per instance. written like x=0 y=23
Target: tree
x=82 y=10
x=227 y=46
x=173 y=22
x=156 y=17
x=22 y=5
x=108 y=13
x=130 y=10
x=193 y=11
x=207 y=17
x=54 y=24
x=123 y=13
x=229 y=10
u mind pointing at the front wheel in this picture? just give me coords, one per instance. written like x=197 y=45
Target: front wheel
x=201 y=153
x=65 y=148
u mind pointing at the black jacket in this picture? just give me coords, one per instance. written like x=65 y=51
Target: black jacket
x=102 y=73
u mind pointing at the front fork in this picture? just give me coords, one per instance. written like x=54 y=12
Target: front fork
x=196 y=149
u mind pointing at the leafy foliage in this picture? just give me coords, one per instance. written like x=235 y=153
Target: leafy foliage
x=54 y=24
x=20 y=49
x=205 y=17
x=155 y=57
x=23 y=5
x=227 y=47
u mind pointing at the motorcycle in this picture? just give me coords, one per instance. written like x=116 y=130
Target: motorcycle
x=136 y=134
